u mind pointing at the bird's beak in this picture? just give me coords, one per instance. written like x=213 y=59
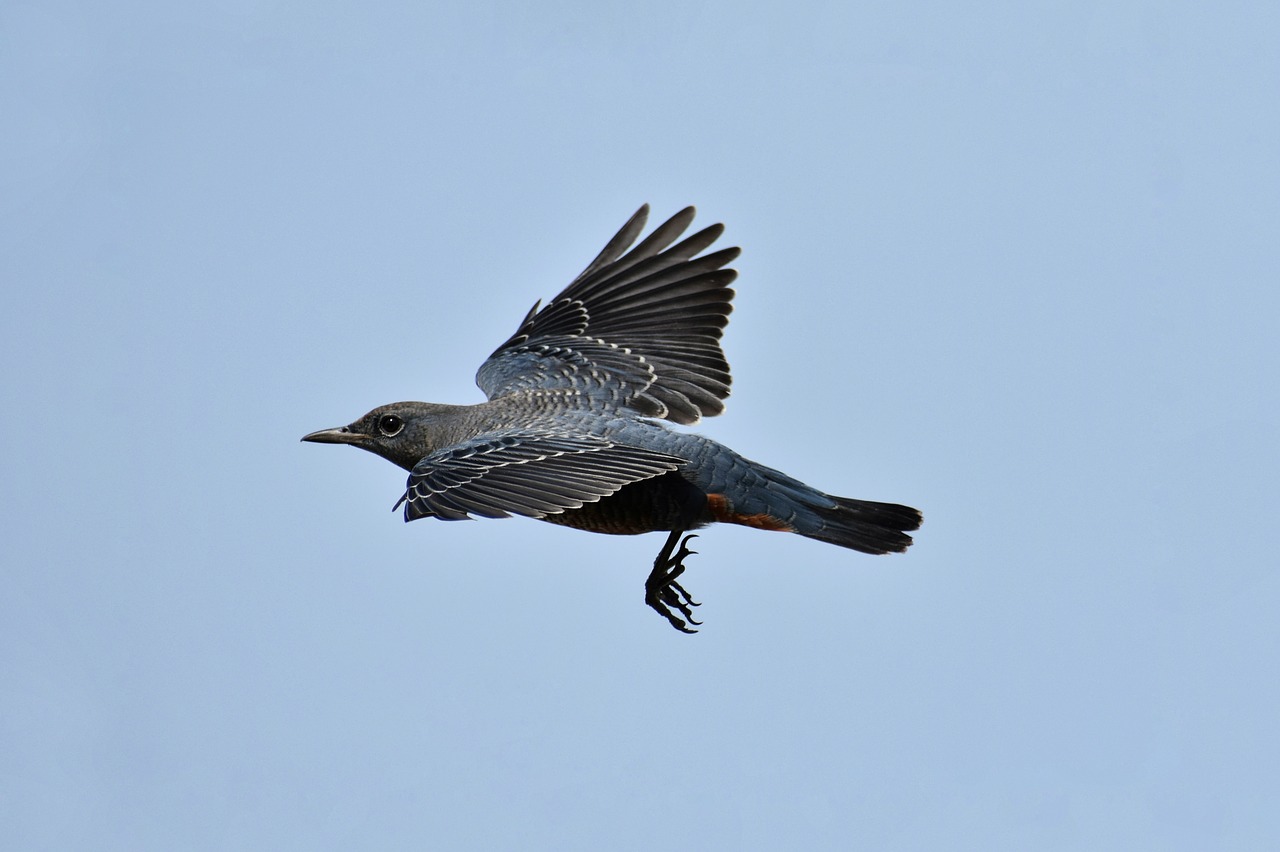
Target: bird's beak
x=341 y=435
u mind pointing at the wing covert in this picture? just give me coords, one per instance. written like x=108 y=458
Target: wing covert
x=637 y=329
x=525 y=474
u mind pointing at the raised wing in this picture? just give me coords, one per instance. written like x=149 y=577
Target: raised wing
x=638 y=329
x=525 y=474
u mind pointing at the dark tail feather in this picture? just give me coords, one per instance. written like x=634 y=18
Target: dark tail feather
x=866 y=526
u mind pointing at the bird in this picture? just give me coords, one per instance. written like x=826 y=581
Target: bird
x=576 y=429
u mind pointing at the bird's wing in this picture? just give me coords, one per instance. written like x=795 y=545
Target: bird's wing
x=637 y=330
x=525 y=474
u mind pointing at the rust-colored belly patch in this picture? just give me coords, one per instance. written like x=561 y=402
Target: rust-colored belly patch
x=722 y=510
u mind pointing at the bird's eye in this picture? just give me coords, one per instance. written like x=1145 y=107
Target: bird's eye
x=390 y=425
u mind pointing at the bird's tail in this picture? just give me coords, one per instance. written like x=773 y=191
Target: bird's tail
x=862 y=525
x=771 y=500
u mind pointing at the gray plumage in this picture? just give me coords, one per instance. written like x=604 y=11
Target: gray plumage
x=638 y=331
x=571 y=433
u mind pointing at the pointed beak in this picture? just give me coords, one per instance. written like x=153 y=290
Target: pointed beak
x=341 y=435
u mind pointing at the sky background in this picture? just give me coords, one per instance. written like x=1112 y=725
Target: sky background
x=1015 y=264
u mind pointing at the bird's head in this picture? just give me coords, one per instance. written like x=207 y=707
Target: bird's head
x=402 y=432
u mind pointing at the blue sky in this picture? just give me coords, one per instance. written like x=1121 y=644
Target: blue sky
x=1015 y=264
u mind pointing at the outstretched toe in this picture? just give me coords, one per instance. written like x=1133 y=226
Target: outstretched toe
x=662 y=591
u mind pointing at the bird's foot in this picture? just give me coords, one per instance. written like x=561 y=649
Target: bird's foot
x=662 y=592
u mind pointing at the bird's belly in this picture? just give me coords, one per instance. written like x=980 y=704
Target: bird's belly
x=667 y=502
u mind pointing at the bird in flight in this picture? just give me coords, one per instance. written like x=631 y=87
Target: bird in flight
x=572 y=432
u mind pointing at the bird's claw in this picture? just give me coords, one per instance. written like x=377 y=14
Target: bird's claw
x=662 y=592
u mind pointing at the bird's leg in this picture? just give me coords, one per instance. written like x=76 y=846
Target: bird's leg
x=662 y=592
